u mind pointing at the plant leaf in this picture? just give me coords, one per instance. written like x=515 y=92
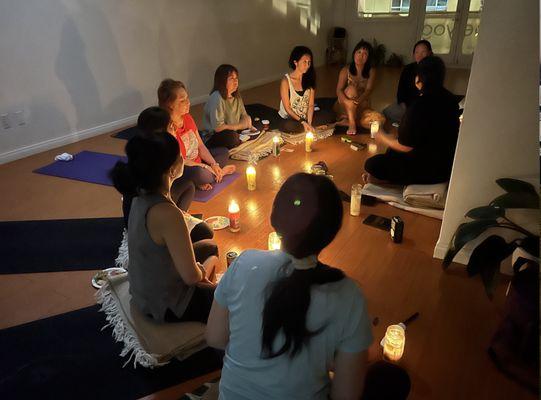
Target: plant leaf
x=486 y=212
x=516 y=200
x=486 y=259
x=516 y=186
x=464 y=233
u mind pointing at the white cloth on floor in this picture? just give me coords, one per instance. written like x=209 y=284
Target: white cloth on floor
x=64 y=157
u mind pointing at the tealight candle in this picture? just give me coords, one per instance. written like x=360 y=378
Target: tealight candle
x=276 y=146
x=234 y=216
x=372 y=147
x=251 y=177
x=308 y=141
x=374 y=128
x=394 y=341
x=275 y=243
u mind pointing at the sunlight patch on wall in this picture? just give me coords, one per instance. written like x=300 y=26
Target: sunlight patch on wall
x=307 y=20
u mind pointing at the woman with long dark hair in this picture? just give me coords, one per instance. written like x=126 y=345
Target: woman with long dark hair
x=355 y=85
x=203 y=167
x=284 y=317
x=407 y=92
x=297 y=93
x=424 y=150
x=166 y=281
x=224 y=113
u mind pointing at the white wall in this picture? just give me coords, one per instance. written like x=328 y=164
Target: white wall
x=78 y=68
x=398 y=34
x=498 y=137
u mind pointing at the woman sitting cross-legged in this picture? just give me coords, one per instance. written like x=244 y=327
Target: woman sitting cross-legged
x=203 y=167
x=354 y=87
x=424 y=150
x=284 y=318
x=166 y=282
x=297 y=94
x=225 y=114
x=154 y=120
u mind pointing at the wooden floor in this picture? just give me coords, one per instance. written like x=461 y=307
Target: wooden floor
x=445 y=348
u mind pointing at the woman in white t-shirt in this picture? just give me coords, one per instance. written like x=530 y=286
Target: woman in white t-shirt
x=283 y=317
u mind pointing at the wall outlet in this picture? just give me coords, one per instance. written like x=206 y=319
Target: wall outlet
x=19 y=118
x=5 y=122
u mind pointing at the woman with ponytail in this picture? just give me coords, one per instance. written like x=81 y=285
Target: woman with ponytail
x=283 y=317
x=166 y=281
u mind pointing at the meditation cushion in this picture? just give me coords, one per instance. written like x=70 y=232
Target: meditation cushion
x=429 y=196
x=152 y=344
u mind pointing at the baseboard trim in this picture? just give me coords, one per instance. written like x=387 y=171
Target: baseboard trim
x=462 y=257
x=35 y=148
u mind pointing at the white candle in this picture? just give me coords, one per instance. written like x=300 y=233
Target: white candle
x=251 y=177
x=308 y=141
x=355 y=204
x=234 y=216
x=276 y=146
x=275 y=243
x=395 y=339
x=374 y=128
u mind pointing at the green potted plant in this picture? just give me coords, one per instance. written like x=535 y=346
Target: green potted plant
x=514 y=348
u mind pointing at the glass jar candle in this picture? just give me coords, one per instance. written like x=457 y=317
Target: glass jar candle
x=355 y=204
x=395 y=339
x=234 y=217
x=251 y=177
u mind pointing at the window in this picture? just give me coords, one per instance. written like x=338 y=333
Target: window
x=383 y=8
x=436 y=5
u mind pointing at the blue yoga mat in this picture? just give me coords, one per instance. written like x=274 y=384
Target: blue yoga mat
x=86 y=166
x=202 y=196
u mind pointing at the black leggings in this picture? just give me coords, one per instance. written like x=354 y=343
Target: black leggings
x=321 y=117
x=203 y=244
x=201 y=176
x=226 y=138
x=198 y=308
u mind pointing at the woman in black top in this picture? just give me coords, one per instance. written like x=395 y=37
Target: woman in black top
x=424 y=150
x=407 y=91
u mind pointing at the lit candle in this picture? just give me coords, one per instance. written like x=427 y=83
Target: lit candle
x=374 y=128
x=250 y=177
x=276 y=146
x=372 y=147
x=308 y=141
x=234 y=216
x=395 y=339
x=275 y=243
x=355 y=203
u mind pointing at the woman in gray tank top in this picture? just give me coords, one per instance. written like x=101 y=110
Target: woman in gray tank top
x=166 y=282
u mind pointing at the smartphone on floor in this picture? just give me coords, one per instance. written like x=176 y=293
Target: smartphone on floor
x=378 y=222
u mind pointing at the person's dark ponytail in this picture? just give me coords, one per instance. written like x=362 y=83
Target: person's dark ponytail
x=287 y=306
x=123 y=181
x=313 y=202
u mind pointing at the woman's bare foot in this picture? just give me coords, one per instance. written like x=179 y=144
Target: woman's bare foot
x=228 y=169
x=205 y=187
x=342 y=121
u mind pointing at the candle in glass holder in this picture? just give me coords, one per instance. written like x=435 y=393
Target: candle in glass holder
x=308 y=141
x=276 y=146
x=374 y=128
x=275 y=243
x=394 y=341
x=234 y=216
x=355 y=203
x=251 y=177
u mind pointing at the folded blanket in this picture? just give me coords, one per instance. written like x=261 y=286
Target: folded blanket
x=394 y=196
x=150 y=343
x=298 y=138
x=254 y=150
x=431 y=196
